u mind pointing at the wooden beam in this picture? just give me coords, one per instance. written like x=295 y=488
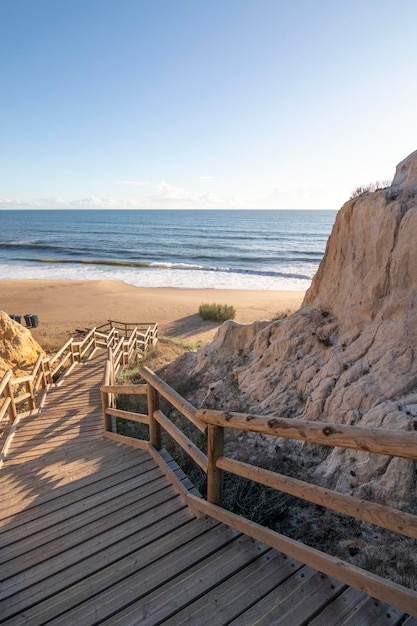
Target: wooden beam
x=154 y=426
x=4 y=381
x=131 y=390
x=186 y=444
x=173 y=397
x=141 y=418
x=214 y=472
x=129 y=441
x=384 y=590
x=382 y=441
x=378 y=514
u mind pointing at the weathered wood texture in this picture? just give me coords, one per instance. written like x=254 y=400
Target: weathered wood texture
x=92 y=531
x=383 y=441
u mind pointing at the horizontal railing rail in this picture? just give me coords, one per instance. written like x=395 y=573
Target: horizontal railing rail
x=215 y=463
x=16 y=392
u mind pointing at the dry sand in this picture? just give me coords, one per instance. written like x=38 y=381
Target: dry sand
x=64 y=306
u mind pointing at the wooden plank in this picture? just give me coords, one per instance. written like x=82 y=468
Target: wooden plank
x=54 y=463
x=151 y=576
x=296 y=601
x=341 y=608
x=38 y=444
x=91 y=447
x=304 y=602
x=375 y=586
x=62 y=475
x=165 y=601
x=383 y=441
x=386 y=517
x=77 y=489
x=227 y=600
x=68 y=555
x=48 y=433
x=346 y=609
x=44 y=453
x=78 y=581
x=67 y=533
x=35 y=530
x=373 y=612
x=48 y=429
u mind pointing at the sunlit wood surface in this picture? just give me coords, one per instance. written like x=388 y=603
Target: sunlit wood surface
x=93 y=532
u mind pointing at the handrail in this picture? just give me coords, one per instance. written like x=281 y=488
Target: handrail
x=47 y=368
x=382 y=441
x=176 y=400
x=393 y=443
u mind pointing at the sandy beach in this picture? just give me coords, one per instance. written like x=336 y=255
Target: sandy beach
x=64 y=306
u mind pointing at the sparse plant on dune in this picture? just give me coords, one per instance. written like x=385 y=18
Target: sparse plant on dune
x=217 y=312
x=370 y=188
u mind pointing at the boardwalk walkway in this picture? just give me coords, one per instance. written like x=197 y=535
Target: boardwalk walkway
x=91 y=531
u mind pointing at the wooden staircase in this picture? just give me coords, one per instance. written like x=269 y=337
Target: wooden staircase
x=92 y=531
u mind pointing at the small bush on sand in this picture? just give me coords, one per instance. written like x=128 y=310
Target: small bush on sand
x=217 y=312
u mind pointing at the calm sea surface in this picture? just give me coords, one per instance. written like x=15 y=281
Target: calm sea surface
x=187 y=249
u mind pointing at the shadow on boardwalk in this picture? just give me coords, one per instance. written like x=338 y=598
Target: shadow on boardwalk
x=93 y=532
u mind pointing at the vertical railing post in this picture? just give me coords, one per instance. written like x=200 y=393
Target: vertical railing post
x=29 y=389
x=105 y=400
x=44 y=382
x=154 y=426
x=214 y=474
x=106 y=418
x=8 y=392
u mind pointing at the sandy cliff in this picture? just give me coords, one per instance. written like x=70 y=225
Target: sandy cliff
x=347 y=356
x=18 y=349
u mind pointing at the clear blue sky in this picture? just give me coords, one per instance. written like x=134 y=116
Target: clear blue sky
x=203 y=103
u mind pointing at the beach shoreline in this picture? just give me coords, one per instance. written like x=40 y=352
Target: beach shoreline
x=63 y=306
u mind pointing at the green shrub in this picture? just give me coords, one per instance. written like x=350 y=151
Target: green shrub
x=217 y=312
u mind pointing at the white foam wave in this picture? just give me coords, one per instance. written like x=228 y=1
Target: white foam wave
x=152 y=277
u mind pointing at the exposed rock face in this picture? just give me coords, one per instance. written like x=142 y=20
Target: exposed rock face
x=18 y=349
x=347 y=356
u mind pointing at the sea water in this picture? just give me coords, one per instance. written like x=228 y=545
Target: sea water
x=223 y=249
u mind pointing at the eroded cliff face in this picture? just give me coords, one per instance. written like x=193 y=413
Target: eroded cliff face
x=18 y=349
x=347 y=356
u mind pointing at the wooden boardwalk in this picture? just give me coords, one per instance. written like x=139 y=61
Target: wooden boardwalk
x=91 y=531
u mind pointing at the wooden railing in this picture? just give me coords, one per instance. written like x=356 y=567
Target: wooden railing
x=146 y=332
x=215 y=463
x=28 y=391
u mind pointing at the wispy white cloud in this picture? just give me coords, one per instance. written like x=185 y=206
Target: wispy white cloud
x=293 y=196
x=138 y=183
x=92 y=202
x=206 y=178
x=168 y=196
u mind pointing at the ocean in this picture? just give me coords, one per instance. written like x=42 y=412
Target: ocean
x=221 y=249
